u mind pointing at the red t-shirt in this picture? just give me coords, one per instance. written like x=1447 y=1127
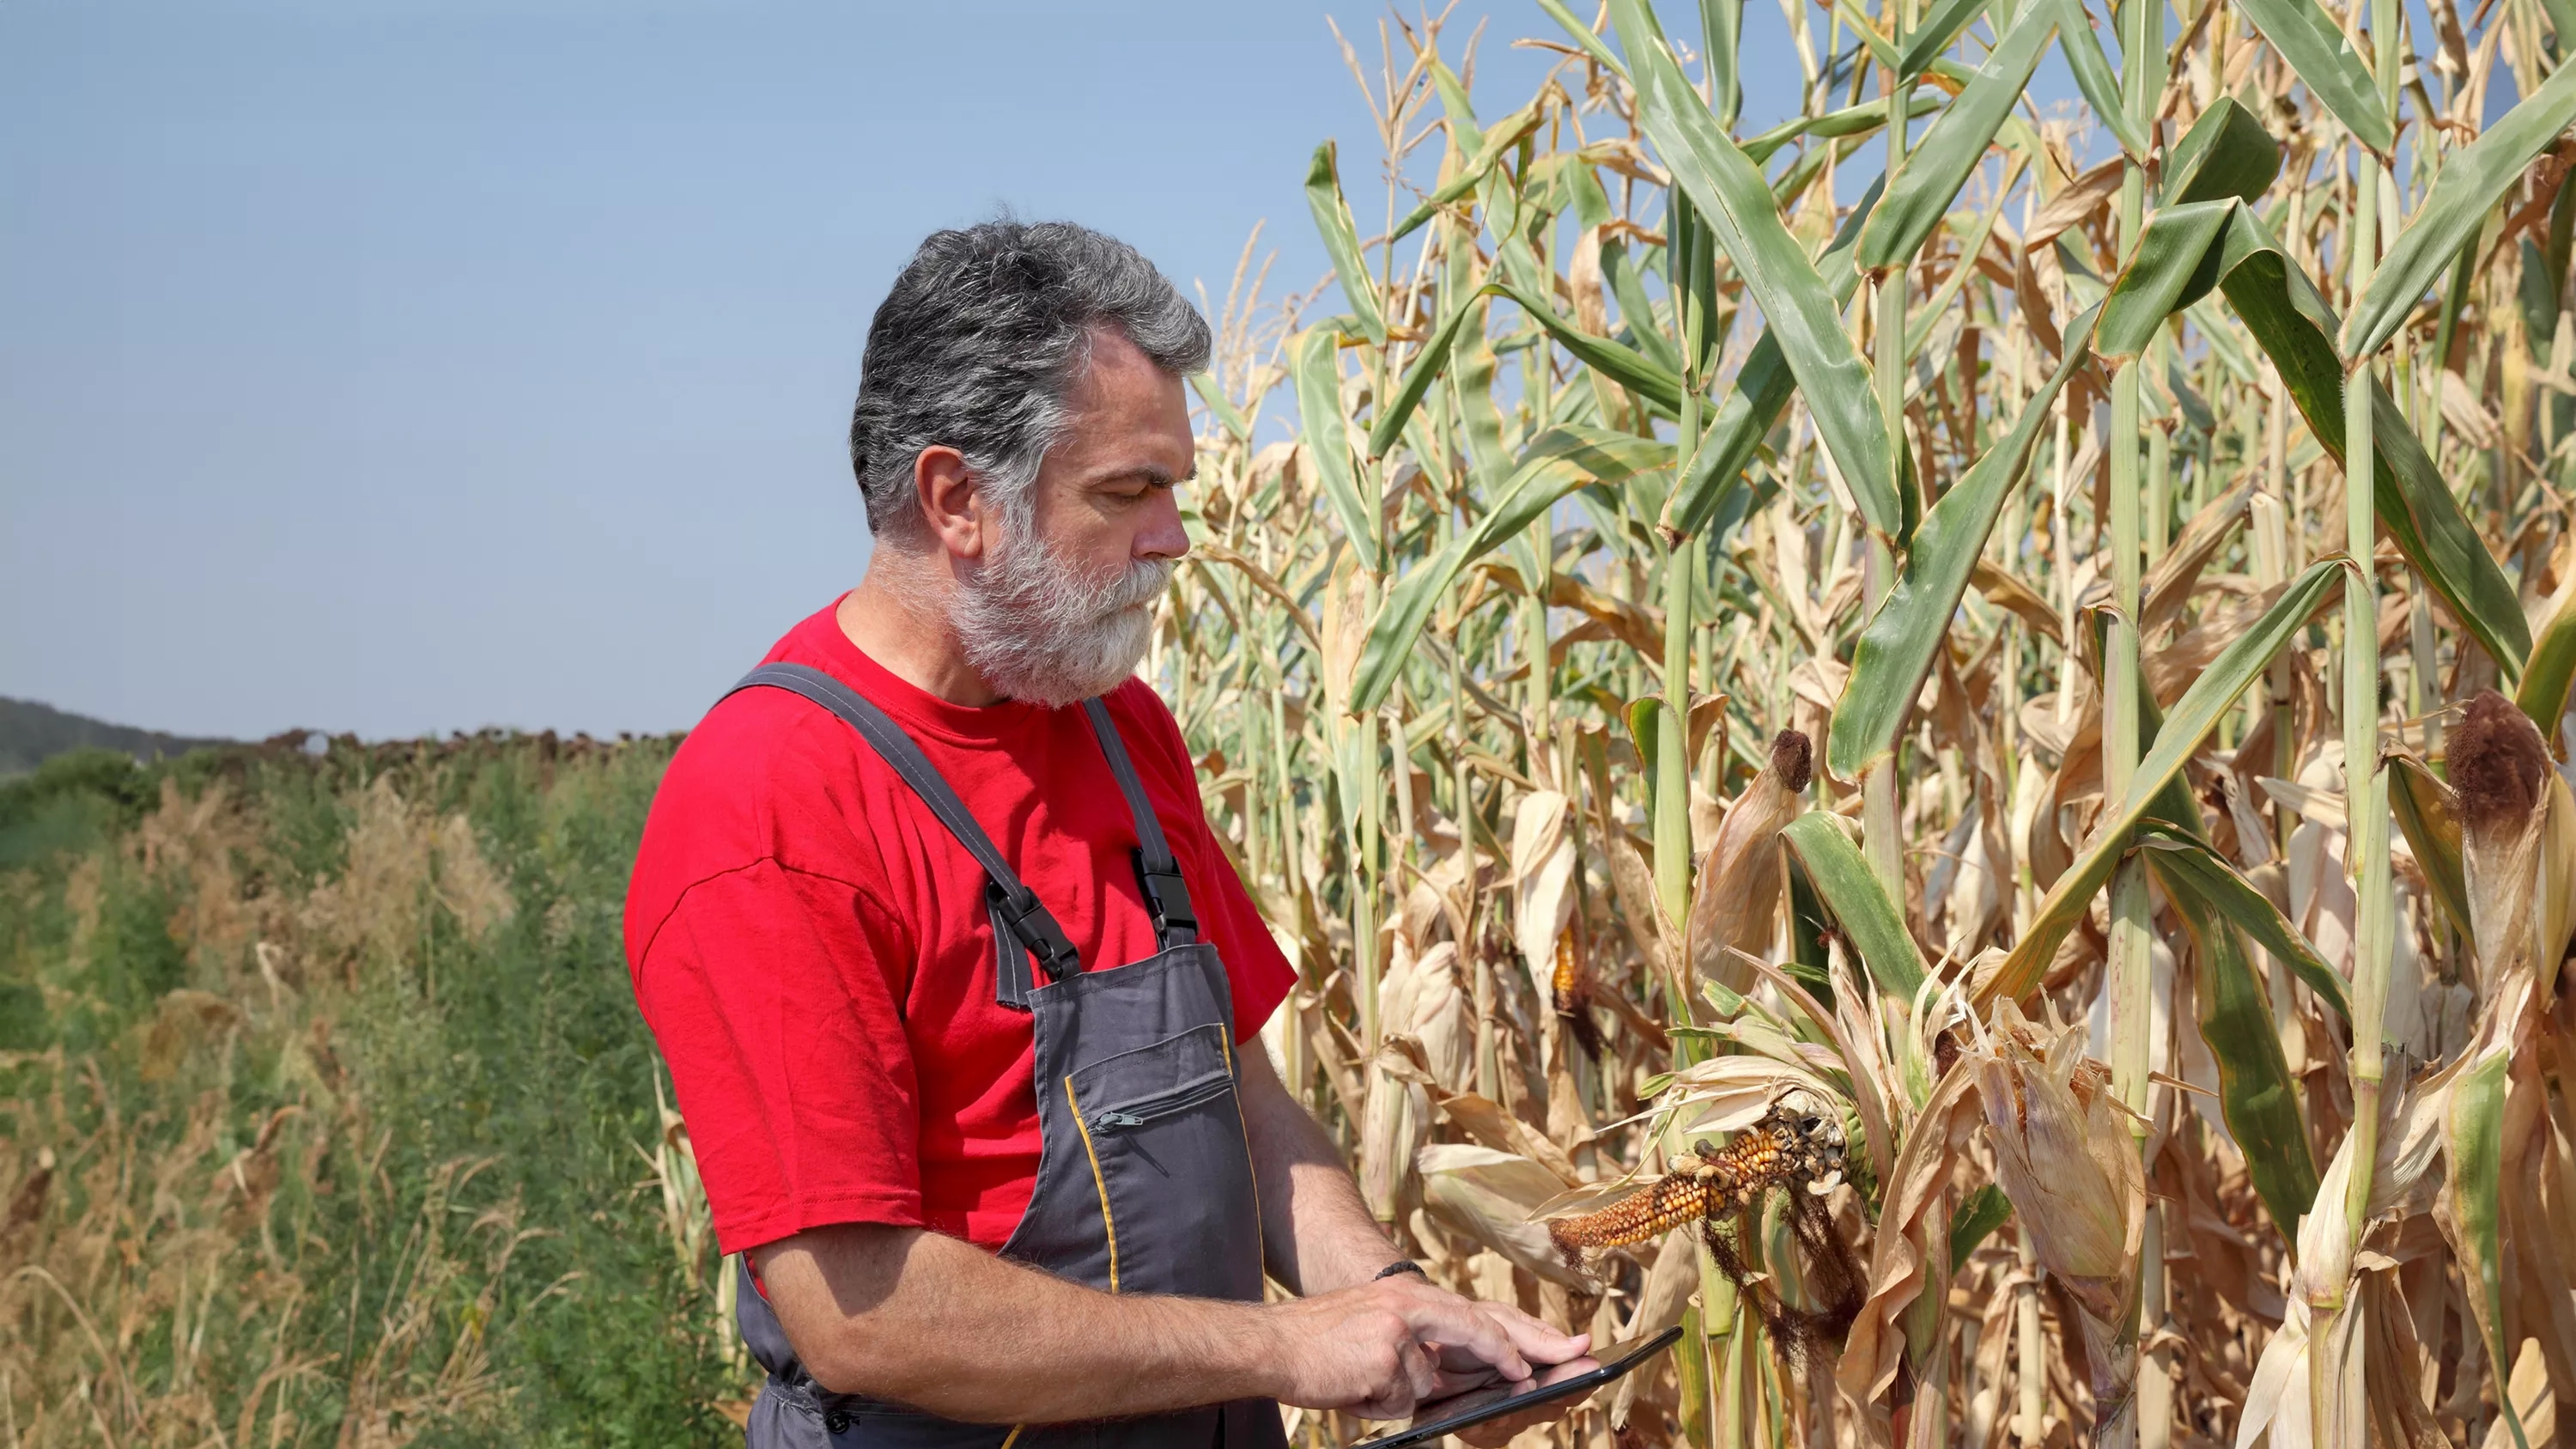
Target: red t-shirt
x=810 y=946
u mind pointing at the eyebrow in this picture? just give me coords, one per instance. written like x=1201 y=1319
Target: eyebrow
x=1155 y=474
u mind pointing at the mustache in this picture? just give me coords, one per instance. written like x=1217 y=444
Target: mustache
x=1141 y=584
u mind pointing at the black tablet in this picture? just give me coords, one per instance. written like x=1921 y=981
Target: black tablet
x=1571 y=1379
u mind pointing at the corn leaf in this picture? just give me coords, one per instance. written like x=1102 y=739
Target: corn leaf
x=2190 y=721
x=2294 y=325
x=1496 y=144
x=2255 y=1092
x=1942 y=26
x=1592 y=44
x=1224 y=411
x=2550 y=669
x=2184 y=861
x=1761 y=392
x=1930 y=180
x=2476 y=1144
x=1721 y=24
x=1418 y=377
x=1554 y=465
x=1985 y=1210
x=1617 y=361
x=2471 y=182
x=2424 y=809
x=1905 y=634
x=2094 y=76
x=2327 y=63
x=1328 y=439
x=1729 y=193
x=1857 y=120
x=1849 y=889
x=1341 y=242
x=2226 y=153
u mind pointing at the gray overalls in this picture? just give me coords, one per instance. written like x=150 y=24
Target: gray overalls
x=1144 y=1180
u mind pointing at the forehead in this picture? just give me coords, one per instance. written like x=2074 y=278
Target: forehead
x=1128 y=412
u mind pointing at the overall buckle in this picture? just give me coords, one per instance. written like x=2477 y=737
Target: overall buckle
x=1037 y=932
x=1167 y=899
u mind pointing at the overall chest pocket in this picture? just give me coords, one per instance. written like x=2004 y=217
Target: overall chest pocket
x=1165 y=1140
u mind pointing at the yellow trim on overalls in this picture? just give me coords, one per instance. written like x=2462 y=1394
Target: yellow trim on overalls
x=1106 y=1225
x=1013 y=1437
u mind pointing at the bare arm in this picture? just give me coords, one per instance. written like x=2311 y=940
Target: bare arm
x=1317 y=1235
x=911 y=1316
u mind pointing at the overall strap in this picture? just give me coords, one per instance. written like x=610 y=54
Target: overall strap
x=1017 y=913
x=1157 y=873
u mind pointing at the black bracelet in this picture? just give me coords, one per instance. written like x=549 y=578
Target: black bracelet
x=1401 y=1265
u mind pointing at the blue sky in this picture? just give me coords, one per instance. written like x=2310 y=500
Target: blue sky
x=400 y=367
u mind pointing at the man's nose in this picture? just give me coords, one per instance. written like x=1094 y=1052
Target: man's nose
x=1163 y=536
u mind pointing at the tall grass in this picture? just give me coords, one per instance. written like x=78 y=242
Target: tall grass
x=325 y=1116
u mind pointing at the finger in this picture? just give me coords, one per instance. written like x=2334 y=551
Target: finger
x=1467 y=1327
x=1537 y=1340
x=1423 y=1371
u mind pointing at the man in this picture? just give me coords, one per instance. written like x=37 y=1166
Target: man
x=958 y=992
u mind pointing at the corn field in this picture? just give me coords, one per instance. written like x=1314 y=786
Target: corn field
x=1842 y=764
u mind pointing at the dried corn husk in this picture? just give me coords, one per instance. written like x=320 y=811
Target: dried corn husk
x=1491 y=1197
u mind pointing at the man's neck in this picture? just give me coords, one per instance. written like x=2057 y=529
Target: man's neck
x=894 y=618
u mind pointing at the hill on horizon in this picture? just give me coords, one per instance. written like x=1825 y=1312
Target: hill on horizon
x=31 y=733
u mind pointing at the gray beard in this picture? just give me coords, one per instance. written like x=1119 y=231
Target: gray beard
x=1036 y=630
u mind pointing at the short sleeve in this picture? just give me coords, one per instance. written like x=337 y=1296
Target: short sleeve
x=774 y=996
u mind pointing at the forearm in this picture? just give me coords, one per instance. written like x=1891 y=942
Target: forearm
x=914 y=1317
x=1317 y=1234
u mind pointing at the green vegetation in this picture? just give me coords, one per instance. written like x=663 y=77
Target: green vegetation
x=325 y=1113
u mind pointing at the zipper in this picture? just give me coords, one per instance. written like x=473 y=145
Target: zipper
x=1138 y=1114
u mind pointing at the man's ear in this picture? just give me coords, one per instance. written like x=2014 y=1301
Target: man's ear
x=950 y=502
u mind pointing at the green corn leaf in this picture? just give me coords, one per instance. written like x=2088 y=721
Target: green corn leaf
x=2293 y=324
x=2476 y=1146
x=1555 y=464
x=1590 y=43
x=1418 y=378
x=2472 y=180
x=1729 y=193
x=1942 y=26
x=2549 y=671
x=1901 y=639
x=1857 y=120
x=2255 y=1092
x=2171 y=267
x=2094 y=76
x=2424 y=808
x=1849 y=889
x=1933 y=174
x=1459 y=110
x=2190 y=721
x=1985 y=1210
x=1721 y=24
x=2327 y=63
x=1635 y=309
x=1761 y=393
x=1226 y=413
x=1342 y=242
x=2183 y=860
x=1328 y=439
x=1498 y=143
x=1617 y=361
x=2226 y=153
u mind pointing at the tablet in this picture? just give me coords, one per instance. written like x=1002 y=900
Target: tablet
x=1571 y=1379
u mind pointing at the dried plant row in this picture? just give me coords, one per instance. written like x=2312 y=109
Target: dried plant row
x=1701 y=629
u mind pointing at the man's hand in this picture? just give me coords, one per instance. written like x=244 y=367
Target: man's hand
x=1384 y=1347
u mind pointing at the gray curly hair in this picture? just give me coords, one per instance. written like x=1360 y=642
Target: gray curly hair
x=979 y=342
